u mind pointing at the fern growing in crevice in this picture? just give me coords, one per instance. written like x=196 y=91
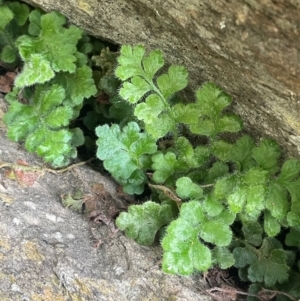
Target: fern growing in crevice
x=60 y=79
x=228 y=203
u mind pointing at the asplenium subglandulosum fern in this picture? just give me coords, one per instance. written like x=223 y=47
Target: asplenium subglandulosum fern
x=13 y=23
x=126 y=154
x=51 y=49
x=138 y=71
x=43 y=125
x=142 y=222
x=41 y=115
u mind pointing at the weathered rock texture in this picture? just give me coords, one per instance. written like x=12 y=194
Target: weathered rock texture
x=250 y=48
x=47 y=252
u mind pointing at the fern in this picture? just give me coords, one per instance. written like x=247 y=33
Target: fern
x=214 y=201
x=61 y=77
x=217 y=186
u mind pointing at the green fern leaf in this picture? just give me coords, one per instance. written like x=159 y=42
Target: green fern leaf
x=152 y=63
x=244 y=257
x=185 y=113
x=212 y=100
x=289 y=171
x=241 y=153
x=17 y=121
x=20 y=11
x=205 y=127
x=35 y=25
x=142 y=222
x=8 y=54
x=237 y=199
x=122 y=151
x=164 y=166
x=53 y=37
x=221 y=149
x=163 y=125
x=267 y=154
x=194 y=158
x=255 y=201
x=225 y=186
x=59 y=117
x=277 y=200
x=172 y=82
x=216 y=232
x=149 y=110
x=270 y=270
x=183 y=251
x=212 y=206
x=229 y=123
x=292 y=239
x=77 y=137
x=253 y=233
x=130 y=62
x=222 y=257
x=186 y=189
x=79 y=85
x=255 y=176
x=37 y=70
x=271 y=225
x=6 y=15
x=133 y=91
x=218 y=170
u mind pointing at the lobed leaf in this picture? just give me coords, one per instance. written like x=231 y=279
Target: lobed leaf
x=218 y=170
x=271 y=225
x=225 y=186
x=59 y=117
x=289 y=171
x=164 y=165
x=292 y=239
x=35 y=25
x=277 y=200
x=223 y=257
x=267 y=154
x=37 y=71
x=183 y=251
x=20 y=11
x=142 y=222
x=172 y=82
x=255 y=176
x=222 y=150
x=152 y=63
x=241 y=152
x=216 y=232
x=130 y=62
x=252 y=233
x=122 y=151
x=212 y=100
x=212 y=206
x=149 y=110
x=78 y=85
x=6 y=15
x=270 y=270
x=8 y=54
x=228 y=123
x=162 y=126
x=133 y=91
x=185 y=113
x=185 y=189
x=243 y=257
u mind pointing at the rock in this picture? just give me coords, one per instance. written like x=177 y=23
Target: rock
x=47 y=252
x=249 y=48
